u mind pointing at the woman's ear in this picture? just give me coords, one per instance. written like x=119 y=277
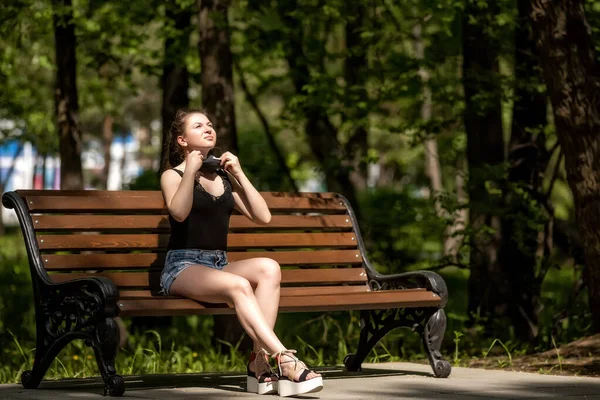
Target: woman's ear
x=181 y=141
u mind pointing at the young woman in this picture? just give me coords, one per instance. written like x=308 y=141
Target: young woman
x=200 y=205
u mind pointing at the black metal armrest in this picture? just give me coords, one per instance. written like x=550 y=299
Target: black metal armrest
x=75 y=307
x=96 y=296
x=410 y=280
x=12 y=200
x=407 y=280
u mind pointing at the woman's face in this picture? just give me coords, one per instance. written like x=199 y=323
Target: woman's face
x=199 y=133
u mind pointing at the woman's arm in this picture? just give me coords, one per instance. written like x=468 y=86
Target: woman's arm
x=247 y=199
x=178 y=191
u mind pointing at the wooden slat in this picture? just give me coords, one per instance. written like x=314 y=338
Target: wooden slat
x=295 y=222
x=144 y=203
x=285 y=291
x=152 y=202
x=81 y=193
x=329 y=275
x=51 y=222
x=108 y=241
x=350 y=301
x=121 y=193
x=295 y=276
x=146 y=260
x=160 y=241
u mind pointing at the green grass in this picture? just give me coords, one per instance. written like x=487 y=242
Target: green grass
x=321 y=339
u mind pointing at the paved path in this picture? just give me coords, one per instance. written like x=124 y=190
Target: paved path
x=376 y=381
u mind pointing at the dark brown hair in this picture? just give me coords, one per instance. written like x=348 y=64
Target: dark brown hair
x=173 y=154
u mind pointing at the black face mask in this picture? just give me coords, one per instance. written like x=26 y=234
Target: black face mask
x=212 y=162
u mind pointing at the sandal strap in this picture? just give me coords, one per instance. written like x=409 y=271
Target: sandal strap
x=304 y=374
x=298 y=366
x=289 y=352
x=263 y=378
x=263 y=368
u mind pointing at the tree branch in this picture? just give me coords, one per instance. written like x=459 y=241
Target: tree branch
x=554 y=175
x=263 y=120
x=554 y=148
x=578 y=287
x=448 y=263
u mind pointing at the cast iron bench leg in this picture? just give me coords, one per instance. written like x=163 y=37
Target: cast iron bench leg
x=79 y=309
x=106 y=345
x=432 y=336
x=46 y=350
x=375 y=324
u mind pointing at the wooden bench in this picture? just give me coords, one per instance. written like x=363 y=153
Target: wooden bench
x=95 y=255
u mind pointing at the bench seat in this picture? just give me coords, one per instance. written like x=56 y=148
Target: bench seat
x=304 y=302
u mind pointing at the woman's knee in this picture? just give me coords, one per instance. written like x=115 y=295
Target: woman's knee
x=269 y=270
x=240 y=286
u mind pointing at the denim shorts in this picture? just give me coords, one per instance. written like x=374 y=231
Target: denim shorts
x=178 y=260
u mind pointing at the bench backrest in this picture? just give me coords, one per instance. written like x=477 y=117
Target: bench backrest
x=123 y=235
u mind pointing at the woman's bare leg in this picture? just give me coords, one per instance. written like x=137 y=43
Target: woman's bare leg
x=214 y=286
x=264 y=274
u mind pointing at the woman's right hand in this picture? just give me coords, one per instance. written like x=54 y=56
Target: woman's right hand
x=194 y=160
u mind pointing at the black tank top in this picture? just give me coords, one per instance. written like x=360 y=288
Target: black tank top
x=207 y=225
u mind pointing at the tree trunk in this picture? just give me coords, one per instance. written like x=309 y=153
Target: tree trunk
x=175 y=79
x=107 y=139
x=175 y=85
x=216 y=77
x=485 y=148
x=144 y=157
x=528 y=158
x=572 y=76
x=285 y=170
x=36 y=166
x=321 y=133
x=460 y=215
x=44 y=168
x=67 y=107
x=355 y=75
x=433 y=169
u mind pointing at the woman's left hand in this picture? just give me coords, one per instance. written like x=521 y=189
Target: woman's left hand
x=230 y=163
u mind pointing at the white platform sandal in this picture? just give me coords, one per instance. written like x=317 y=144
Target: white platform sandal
x=264 y=380
x=288 y=384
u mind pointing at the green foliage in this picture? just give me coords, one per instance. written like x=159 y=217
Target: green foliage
x=401 y=228
x=27 y=72
x=388 y=90
x=15 y=289
x=119 y=52
x=259 y=162
x=592 y=10
x=147 y=180
x=456 y=340
x=503 y=346
x=114 y=46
